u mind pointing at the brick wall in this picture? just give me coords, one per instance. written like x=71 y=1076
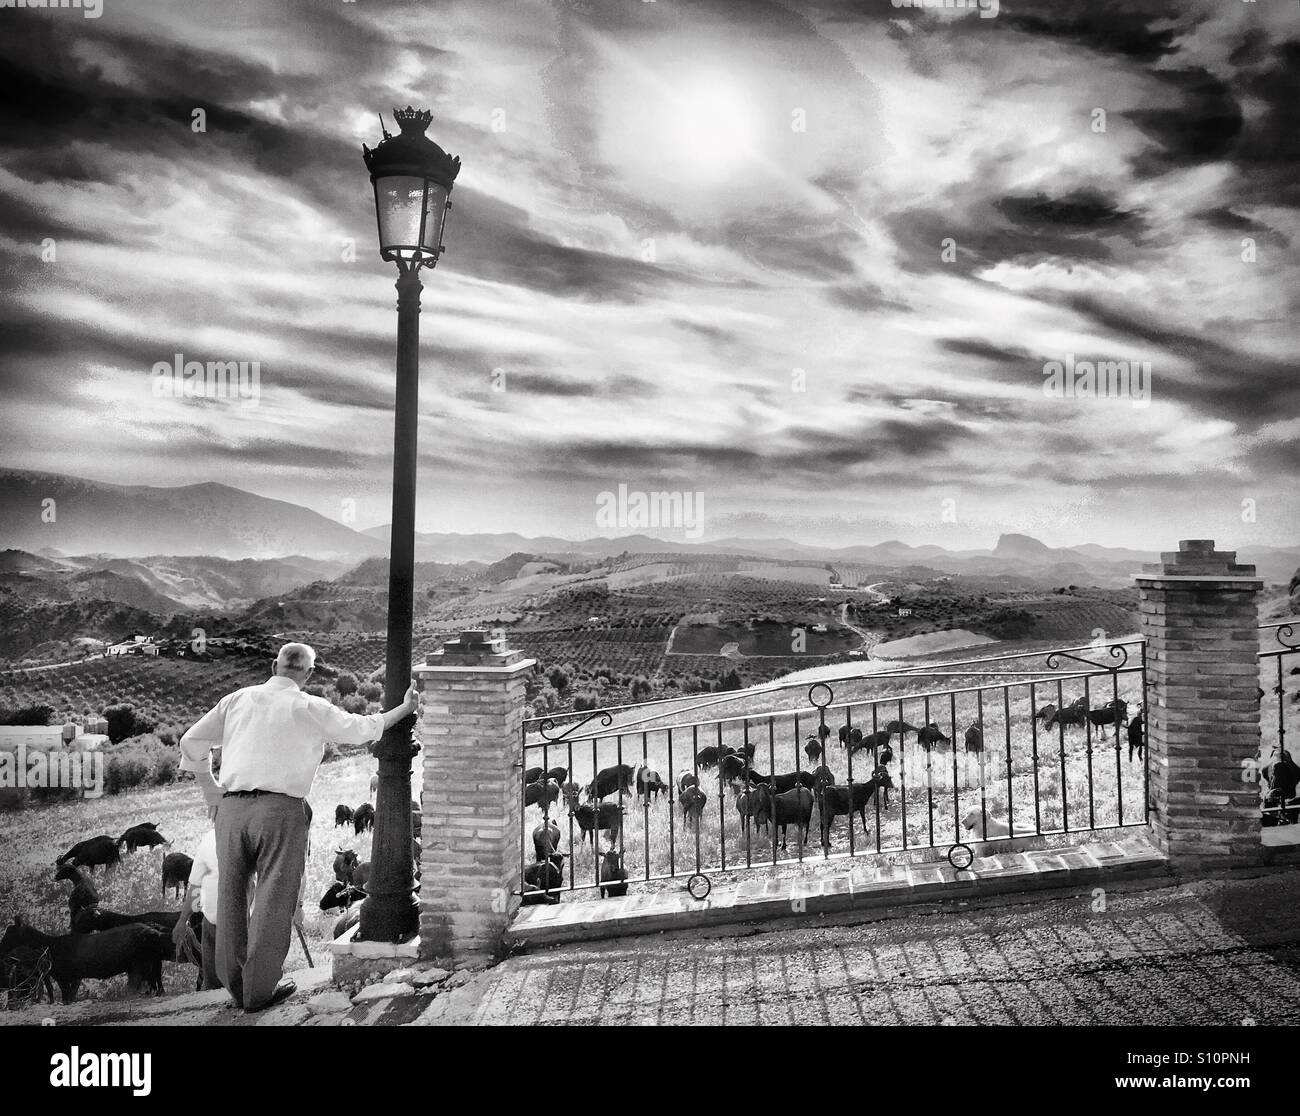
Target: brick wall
x=1199 y=616
x=473 y=704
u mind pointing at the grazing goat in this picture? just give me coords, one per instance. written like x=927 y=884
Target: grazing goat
x=546 y=837
x=793 y=806
x=1070 y=715
x=176 y=871
x=613 y=876
x=609 y=781
x=1114 y=712
x=732 y=768
x=135 y=950
x=706 y=758
x=548 y=874
x=693 y=801
x=1044 y=713
x=92 y=853
x=607 y=816
x=542 y=793
x=649 y=783
x=834 y=801
x=872 y=740
x=342 y=815
x=363 y=819
x=813 y=749
x=532 y=774
x=559 y=774
x=931 y=734
x=850 y=736
x=975 y=738
x=145 y=834
x=779 y=784
x=900 y=727
x=688 y=779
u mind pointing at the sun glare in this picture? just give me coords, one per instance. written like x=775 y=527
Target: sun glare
x=712 y=126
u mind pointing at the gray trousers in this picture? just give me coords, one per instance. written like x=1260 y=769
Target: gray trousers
x=263 y=837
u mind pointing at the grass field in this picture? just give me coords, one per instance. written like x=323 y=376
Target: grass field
x=39 y=834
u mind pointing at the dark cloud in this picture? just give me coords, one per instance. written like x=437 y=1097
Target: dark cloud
x=1145 y=33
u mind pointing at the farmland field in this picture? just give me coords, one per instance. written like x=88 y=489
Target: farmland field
x=953 y=640
x=761 y=638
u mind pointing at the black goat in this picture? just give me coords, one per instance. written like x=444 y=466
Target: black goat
x=613 y=876
x=143 y=835
x=92 y=853
x=835 y=801
x=176 y=871
x=342 y=815
x=363 y=819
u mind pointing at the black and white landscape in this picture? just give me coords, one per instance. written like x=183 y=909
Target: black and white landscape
x=771 y=339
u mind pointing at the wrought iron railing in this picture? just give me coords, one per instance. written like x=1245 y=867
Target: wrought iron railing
x=662 y=792
x=1279 y=804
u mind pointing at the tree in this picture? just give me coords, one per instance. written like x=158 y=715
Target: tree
x=346 y=683
x=124 y=722
x=583 y=702
x=559 y=679
x=729 y=681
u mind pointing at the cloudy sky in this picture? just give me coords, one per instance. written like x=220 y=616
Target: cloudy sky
x=808 y=261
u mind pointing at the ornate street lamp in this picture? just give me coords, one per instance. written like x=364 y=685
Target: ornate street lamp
x=412 y=177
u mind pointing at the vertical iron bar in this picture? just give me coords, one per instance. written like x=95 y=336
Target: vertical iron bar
x=902 y=772
x=722 y=805
x=1060 y=728
x=672 y=822
x=1087 y=735
x=984 y=809
x=1006 y=726
x=956 y=806
x=875 y=728
x=1033 y=743
x=645 y=818
x=929 y=771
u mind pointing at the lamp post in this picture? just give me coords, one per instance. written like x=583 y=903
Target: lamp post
x=412 y=177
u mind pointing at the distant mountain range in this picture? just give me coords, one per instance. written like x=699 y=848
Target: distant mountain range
x=116 y=523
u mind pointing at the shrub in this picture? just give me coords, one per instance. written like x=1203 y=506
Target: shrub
x=315 y=691
x=346 y=683
x=371 y=691
x=584 y=702
x=355 y=703
x=27 y=715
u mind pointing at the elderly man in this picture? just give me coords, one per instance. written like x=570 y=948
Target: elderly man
x=272 y=738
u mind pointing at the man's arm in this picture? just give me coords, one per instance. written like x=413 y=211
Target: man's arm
x=196 y=744
x=358 y=728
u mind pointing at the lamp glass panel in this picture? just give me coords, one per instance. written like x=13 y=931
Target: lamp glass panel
x=400 y=202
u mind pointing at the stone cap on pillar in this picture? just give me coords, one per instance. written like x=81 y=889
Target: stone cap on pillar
x=1197 y=560
x=475 y=647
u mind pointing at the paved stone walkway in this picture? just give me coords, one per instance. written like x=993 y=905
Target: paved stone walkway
x=1210 y=951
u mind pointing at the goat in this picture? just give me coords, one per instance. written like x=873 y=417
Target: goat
x=649 y=782
x=610 y=780
x=176 y=871
x=813 y=749
x=363 y=819
x=340 y=897
x=544 y=793
x=135 y=950
x=345 y=865
x=688 y=779
x=144 y=834
x=779 y=784
x=706 y=758
x=545 y=838
x=794 y=805
x=693 y=801
x=931 y=734
x=833 y=801
x=1137 y=738
x=975 y=738
x=756 y=803
x=342 y=815
x=607 y=816
x=92 y=853
x=1114 y=712
x=613 y=876
x=548 y=874
x=532 y=774
x=83 y=895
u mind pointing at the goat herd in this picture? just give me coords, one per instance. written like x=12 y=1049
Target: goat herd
x=101 y=943
x=767 y=802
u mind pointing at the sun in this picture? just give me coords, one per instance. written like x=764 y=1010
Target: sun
x=712 y=126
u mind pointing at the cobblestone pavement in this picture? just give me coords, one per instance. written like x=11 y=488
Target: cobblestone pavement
x=1210 y=951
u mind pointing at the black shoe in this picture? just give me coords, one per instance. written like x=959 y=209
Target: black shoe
x=283 y=991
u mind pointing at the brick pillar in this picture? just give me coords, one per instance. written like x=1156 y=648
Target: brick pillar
x=1199 y=617
x=473 y=708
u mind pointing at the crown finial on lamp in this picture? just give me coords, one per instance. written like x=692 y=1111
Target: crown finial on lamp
x=412 y=119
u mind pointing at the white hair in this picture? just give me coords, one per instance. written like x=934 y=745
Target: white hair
x=295 y=657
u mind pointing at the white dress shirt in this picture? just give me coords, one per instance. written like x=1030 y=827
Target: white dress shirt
x=272 y=737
